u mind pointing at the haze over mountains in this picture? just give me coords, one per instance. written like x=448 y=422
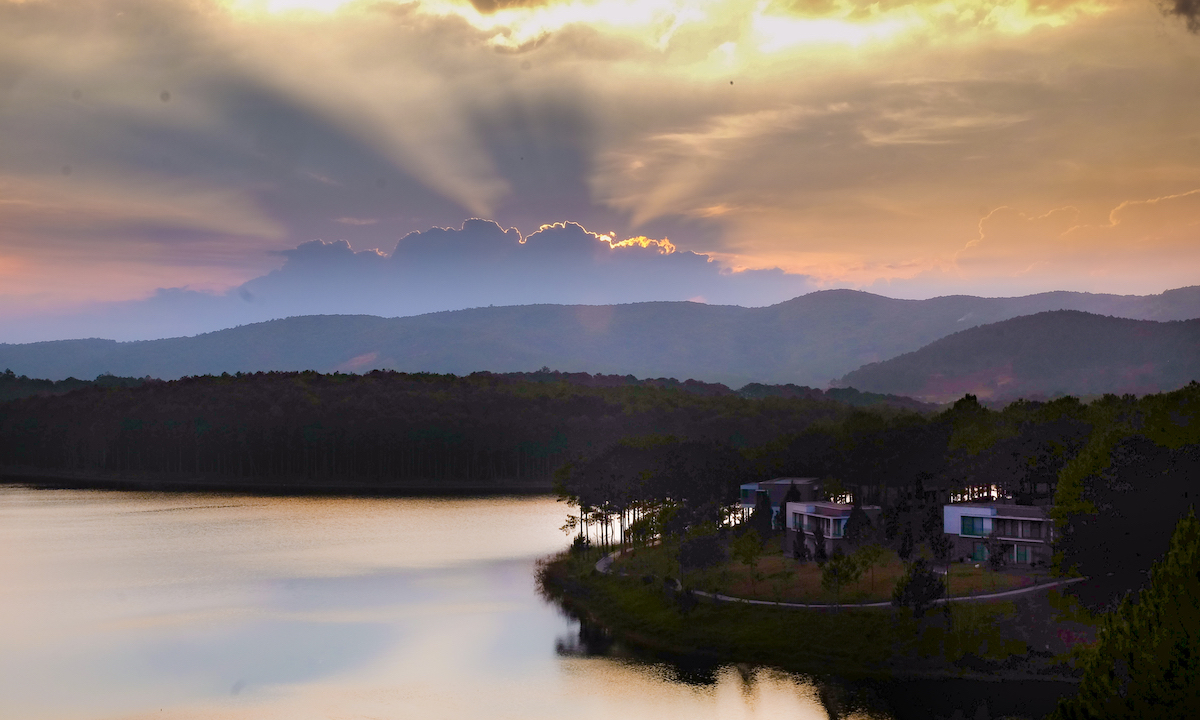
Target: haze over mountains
x=809 y=340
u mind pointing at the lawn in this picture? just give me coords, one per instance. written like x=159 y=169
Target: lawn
x=851 y=642
x=779 y=578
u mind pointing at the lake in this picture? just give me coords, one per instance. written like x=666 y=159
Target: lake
x=149 y=605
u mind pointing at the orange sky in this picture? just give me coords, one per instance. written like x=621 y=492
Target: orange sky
x=908 y=148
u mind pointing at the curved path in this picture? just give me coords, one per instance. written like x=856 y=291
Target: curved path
x=605 y=563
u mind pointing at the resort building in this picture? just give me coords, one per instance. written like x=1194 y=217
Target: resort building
x=1025 y=530
x=806 y=517
x=776 y=490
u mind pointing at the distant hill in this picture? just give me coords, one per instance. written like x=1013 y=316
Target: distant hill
x=1043 y=355
x=809 y=340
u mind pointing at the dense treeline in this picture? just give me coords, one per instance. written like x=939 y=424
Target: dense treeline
x=655 y=455
x=1120 y=471
x=13 y=386
x=311 y=430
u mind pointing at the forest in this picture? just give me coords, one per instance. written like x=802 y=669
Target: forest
x=1119 y=470
x=305 y=430
x=1119 y=473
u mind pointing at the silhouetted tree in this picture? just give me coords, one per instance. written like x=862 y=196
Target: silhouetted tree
x=905 y=550
x=1146 y=661
x=800 y=546
x=819 y=552
x=858 y=525
x=918 y=588
x=868 y=556
x=839 y=570
x=997 y=552
x=747 y=548
x=761 y=518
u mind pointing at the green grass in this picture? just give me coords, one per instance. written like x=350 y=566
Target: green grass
x=863 y=642
x=781 y=579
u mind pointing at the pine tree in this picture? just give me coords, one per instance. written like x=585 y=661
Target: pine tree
x=905 y=550
x=819 y=553
x=1146 y=662
x=918 y=588
x=839 y=571
x=800 y=547
x=858 y=525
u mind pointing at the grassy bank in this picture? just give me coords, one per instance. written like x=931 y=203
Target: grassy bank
x=647 y=613
x=779 y=578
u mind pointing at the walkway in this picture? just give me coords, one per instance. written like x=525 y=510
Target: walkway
x=605 y=563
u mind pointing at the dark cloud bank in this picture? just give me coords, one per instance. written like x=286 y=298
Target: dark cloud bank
x=1189 y=10
x=478 y=265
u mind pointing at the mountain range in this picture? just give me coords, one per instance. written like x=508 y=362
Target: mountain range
x=1063 y=352
x=809 y=340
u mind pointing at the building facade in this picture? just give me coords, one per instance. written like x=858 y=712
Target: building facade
x=1025 y=531
x=803 y=518
x=775 y=490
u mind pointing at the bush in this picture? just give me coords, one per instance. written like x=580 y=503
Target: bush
x=918 y=588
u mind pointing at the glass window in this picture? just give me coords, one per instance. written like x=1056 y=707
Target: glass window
x=1022 y=553
x=980 y=552
x=972 y=526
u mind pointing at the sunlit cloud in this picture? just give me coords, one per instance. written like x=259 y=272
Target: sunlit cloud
x=853 y=143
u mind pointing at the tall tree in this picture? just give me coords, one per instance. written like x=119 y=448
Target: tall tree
x=747 y=548
x=819 y=552
x=907 y=545
x=868 y=556
x=838 y=571
x=1146 y=661
x=761 y=518
x=858 y=526
x=800 y=546
x=918 y=588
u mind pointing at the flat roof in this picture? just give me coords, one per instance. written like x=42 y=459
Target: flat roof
x=1003 y=510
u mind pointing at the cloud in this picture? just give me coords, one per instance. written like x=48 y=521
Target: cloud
x=1189 y=10
x=850 y=142
x=1132 y=242
x=481 y=263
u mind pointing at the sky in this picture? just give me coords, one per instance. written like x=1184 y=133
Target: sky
x=176 y=166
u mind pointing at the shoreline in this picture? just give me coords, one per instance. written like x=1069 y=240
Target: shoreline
x=586 y=598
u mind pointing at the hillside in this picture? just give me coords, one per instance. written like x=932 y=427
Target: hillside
x=1043 y=355
x=806 y=341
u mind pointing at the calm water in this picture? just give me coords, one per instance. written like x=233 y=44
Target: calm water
x=136 y=605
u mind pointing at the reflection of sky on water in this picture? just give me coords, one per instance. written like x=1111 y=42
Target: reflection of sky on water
x=121 y=605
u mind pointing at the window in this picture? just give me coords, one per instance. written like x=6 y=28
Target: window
x=980 y=551
x=972 y=526
x=1021 y=553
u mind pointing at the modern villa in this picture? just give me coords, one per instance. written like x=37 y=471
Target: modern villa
x=1025 y=529
x=776 y=490
x=830 y=517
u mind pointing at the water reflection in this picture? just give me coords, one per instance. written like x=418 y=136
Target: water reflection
x=128 y=605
